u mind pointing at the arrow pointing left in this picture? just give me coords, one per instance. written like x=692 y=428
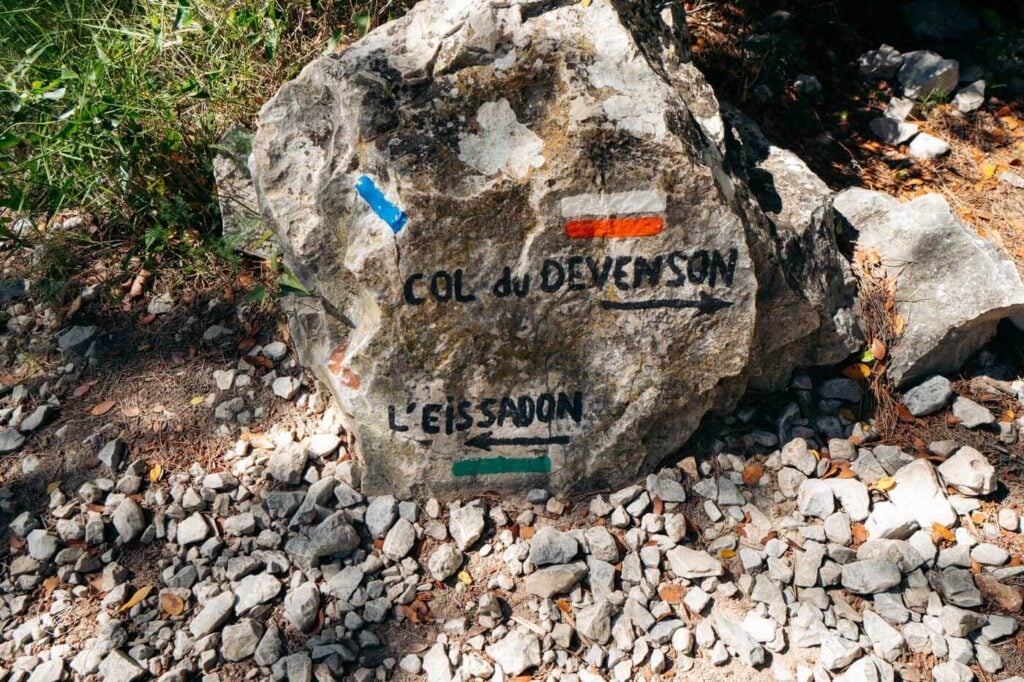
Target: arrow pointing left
x=485 y=441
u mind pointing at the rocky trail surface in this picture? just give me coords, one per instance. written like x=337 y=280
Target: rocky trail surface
x=798 y=547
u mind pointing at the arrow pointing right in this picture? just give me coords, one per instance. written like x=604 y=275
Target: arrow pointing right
x=705 y=305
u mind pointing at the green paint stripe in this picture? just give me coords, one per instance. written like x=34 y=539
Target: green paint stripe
x=502 y=465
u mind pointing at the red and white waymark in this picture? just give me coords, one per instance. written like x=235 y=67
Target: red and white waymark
x=638 y=213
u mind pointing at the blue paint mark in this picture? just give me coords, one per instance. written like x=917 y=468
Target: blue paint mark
x=385 y=210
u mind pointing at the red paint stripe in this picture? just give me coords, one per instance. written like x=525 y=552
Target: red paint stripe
x=613 y=228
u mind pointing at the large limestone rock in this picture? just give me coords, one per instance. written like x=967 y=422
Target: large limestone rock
x=243 y=227
x=532 y=249
x=952 y=285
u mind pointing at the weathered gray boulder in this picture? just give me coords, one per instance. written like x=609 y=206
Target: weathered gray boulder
x=952 y=286
x=925 y=74
x=536 y=252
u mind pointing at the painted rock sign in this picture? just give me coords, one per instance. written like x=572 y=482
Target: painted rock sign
x=529 y=261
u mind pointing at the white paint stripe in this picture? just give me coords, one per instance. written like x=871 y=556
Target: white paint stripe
x=637 y=202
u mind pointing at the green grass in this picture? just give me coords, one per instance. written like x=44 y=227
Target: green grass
x=112 y=106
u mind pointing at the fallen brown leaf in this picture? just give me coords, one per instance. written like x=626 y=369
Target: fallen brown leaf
x=879 y=349
x=172 y=604
x=905 y=414
x=85 y=388
x=136 y=598
x=259 y=361
x=49 y=585
x=752 y=473
x=101 y=409
x=671 y=594
x=858 y=371
x=943 y=532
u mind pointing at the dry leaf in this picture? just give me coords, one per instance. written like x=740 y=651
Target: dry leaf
x=671 y=594
x=75 y=306
x=172 y=604
x=131 y=412
x=136 y=598
x=197 y=400
x=85 y=388
x=526 y=532
x=860 y=533
x=659 y=506
x=943 y=532
x=52 y=485
x=898 y=324
x=102 y=408
x=752 y=474
x=847 y=473
x=465 y=578
x=155 y=473
x=259 y=360
x=410 y=614
x=49 y=585
x=905 y=414
x=978 y=517
x=147 y=319
x=563 y=606
x=727 y=553
x=246 y=344
x=847 y=414
x=879 y=349
x=857 y=371
x=883 y=484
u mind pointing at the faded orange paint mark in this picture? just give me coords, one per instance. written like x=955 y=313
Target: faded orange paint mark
x=334 y=366
x=350 y=378
x=334 y=362
x=613 y=228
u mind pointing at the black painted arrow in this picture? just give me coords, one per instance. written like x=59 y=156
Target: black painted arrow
x=484 y=441
x=705 y=305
